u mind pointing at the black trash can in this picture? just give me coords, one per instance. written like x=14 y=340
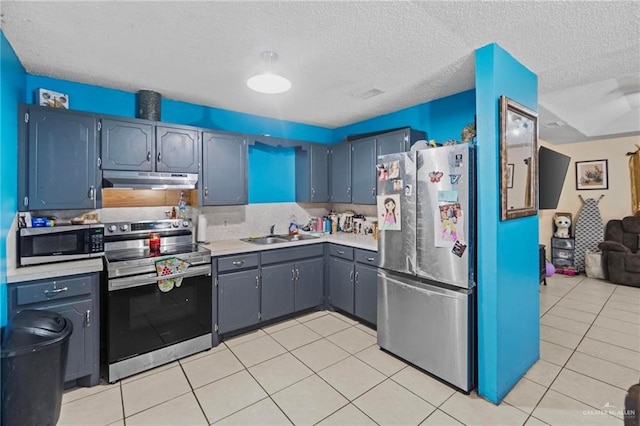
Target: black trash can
x=34 y=360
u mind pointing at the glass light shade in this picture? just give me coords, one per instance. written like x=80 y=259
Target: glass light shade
x=270 y=84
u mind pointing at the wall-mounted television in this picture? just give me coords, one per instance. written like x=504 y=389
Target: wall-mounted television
x=552 y=170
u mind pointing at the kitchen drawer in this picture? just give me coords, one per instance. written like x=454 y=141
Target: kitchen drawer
x=367 y=257
x=237 y=262
x=292 y=254
x=562 y=254
x=562 y=262
x=43 y=291
x=563 y=243
x=341 y=251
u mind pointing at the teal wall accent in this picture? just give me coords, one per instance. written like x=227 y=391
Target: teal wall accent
x=12 y=89
x=508 y=270
x=272 y=182
x=442 y=119
x=270 y=171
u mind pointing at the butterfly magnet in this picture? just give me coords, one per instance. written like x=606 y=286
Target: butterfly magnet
x=435 y=176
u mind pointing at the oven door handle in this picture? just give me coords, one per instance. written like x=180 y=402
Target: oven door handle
x=152 y=278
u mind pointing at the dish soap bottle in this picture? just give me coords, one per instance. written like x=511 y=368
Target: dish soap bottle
x=182 y=207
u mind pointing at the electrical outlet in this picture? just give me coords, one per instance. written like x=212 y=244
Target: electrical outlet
x=225 y=224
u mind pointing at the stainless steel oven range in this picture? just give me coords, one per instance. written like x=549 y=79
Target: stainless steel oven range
x=151 y=318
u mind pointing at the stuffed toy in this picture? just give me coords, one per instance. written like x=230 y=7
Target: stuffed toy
x=563 y=224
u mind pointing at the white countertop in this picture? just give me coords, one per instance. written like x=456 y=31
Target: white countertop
x=218 y=248
x=228 y=247
x=53 y=270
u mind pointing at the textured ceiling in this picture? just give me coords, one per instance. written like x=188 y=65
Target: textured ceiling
x=586 y=54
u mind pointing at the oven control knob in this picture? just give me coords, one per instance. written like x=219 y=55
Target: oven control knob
x=112 y=228
x=185 y=223
x=124 y=227
x=176 y=224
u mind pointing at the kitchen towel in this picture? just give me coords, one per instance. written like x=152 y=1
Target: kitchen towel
x=170 y=266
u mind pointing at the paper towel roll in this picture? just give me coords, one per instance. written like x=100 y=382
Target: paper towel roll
x=201 y=234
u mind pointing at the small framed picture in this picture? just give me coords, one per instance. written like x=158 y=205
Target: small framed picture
x=510 y=175
x=592 y=175
x=53 y=99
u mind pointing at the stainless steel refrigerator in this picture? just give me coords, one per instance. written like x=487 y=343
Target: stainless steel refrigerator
x=426 y=283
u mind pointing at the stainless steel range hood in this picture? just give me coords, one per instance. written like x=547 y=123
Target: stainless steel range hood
x=148 y=180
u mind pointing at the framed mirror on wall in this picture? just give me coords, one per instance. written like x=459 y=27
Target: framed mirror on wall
x=518 y=160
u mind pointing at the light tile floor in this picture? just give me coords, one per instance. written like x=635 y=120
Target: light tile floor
x=324 y=368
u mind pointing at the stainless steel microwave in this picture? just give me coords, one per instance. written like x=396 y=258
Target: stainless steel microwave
x=59 y=243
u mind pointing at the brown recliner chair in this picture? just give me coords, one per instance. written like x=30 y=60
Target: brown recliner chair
x=620 y=255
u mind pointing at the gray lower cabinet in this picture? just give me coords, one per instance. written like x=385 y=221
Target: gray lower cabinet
x=58 y=160
x=353 y=277
x=278 y=297
x=341 y=284
x=292 y=280
x=224 y=175
x=77 y=299
x=366 y=293
x=238 y=300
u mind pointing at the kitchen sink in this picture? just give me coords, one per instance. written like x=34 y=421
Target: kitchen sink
x=265 y=240
x=273 y=239
x=299 y=237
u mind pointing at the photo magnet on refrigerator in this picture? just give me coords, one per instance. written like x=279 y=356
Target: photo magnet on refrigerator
x=455 y=179
x=458 y=248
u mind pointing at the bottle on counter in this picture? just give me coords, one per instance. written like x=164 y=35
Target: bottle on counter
x=182 y=207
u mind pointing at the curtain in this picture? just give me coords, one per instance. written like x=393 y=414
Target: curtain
x=634 y=174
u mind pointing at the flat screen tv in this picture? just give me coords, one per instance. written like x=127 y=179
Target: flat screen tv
x=552 y=169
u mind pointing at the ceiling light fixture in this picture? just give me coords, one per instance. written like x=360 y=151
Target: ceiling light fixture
x=268 y=82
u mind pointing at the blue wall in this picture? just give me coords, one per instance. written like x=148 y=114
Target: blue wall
x=12 y=89
x=271 y=171
x=442 y=119
x=508 y=270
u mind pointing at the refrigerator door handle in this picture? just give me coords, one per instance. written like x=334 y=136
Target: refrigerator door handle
x=432 y=291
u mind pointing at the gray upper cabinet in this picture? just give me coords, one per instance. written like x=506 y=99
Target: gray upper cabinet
x=397 y=140
x=312 y=174
x=363 y=172
x=127 y=145
x=224 y=171
x=340 y=167
x=177 y=149
x=59 y=167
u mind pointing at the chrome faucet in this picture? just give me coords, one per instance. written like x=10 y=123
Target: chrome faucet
x=272 y=229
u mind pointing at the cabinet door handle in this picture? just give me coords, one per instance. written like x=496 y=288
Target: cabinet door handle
x=91 y=192
x=87 y=318
x=340 y=251
x=238 y=263
x=159 y=156
x=55 y=291
x=356 y=277
x=349 y=190
x=371 y=259
x=351 y=276
x=293 y=275
x=206 y=191
x=257 y=281
x=373 y=192
x=148 y=155
x=297 y=274
x=313 y=192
